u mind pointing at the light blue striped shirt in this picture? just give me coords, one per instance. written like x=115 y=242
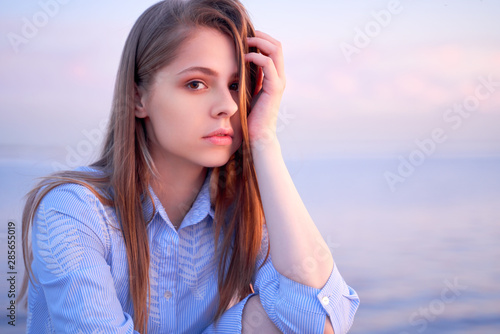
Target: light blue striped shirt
x=80 y=264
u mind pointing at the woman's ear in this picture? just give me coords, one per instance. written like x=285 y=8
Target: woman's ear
x=140 y=109
x=260 y=80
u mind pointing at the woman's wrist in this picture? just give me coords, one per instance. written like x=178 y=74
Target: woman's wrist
x=268 y=146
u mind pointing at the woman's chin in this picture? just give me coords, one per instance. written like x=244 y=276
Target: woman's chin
x=216 y=158
x=213 y=159
x=213 y=163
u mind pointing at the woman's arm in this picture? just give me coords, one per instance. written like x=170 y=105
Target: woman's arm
x=298 y=250
x=255 y=320
x=289 y=224
x=75 y=292
x=254 y=313
x=300 y=253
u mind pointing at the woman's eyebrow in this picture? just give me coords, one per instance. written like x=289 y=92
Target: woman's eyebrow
x=204 y=70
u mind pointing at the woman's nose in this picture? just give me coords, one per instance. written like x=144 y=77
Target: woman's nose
x=225 y=104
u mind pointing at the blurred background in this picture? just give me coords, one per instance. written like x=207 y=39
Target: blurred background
x=390 y=126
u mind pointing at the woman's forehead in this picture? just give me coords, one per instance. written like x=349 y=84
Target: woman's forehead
x=208 y=51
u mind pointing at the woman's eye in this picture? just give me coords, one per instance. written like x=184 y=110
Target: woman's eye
x=235 y=86
x=196 y=85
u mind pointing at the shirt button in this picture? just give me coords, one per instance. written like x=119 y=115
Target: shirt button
x=167 y=295
x=325 y=301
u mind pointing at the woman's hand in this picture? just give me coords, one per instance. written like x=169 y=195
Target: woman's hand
x=270 y=86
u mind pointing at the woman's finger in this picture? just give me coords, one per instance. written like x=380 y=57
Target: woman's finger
x=271 y=76
x=265 y=46
x=263 y=35
x=269 y=49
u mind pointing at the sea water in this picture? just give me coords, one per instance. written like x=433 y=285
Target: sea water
x=422 y=255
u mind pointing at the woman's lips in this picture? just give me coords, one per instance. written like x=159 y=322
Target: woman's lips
x=221 y=137
x=221 y=140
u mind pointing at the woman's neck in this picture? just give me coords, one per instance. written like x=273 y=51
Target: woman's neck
x=177 y=187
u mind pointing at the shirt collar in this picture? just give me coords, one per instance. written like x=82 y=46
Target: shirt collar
x=200 y=209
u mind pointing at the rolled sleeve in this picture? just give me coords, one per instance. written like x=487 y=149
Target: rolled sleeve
x=297 y=308
x=340 y=302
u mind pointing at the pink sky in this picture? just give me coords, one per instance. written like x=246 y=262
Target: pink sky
x=428 y=57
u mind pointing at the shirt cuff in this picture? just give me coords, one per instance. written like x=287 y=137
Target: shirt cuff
x=336 y=300
x=295 y=293
x=340 y=302
x=335 y=289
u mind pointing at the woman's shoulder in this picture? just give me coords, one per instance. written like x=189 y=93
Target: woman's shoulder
x=75 y=183
x=75 y=194
x=71 y=225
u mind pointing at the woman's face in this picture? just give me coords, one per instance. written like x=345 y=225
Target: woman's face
x=193 y=98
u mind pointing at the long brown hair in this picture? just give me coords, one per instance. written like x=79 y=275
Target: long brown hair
x=127 y=167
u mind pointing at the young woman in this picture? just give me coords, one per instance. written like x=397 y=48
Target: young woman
x=189 y=222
